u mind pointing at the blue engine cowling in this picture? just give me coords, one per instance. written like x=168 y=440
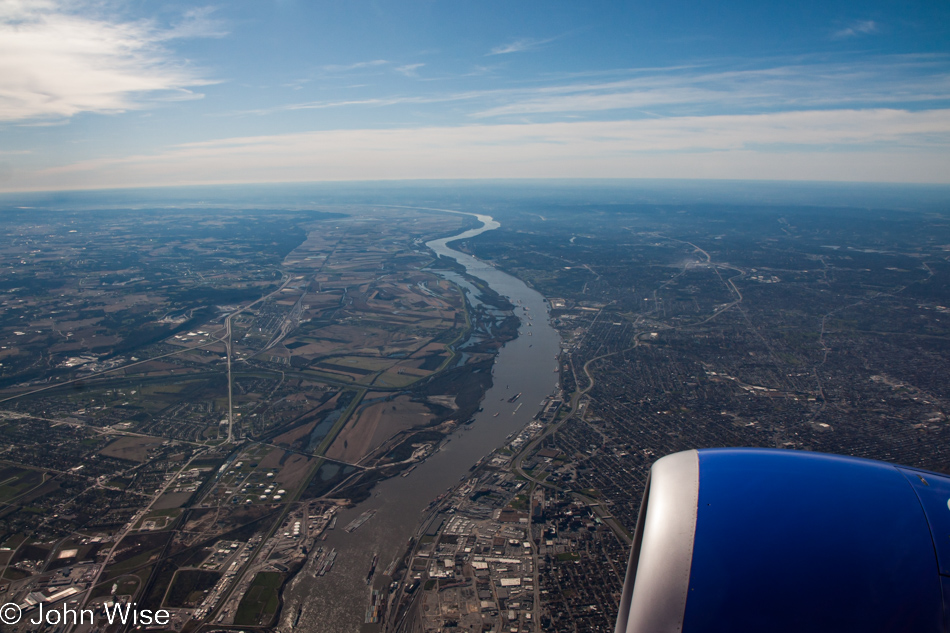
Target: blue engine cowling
x=757 y=540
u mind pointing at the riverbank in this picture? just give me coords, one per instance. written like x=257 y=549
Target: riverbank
x=338 y=602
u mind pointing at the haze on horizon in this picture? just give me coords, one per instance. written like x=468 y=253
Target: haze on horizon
x=104 y=94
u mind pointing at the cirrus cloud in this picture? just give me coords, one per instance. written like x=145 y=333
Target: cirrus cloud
x=519 y=46
x=60 y=58
x=869 y=145
x=861 y=27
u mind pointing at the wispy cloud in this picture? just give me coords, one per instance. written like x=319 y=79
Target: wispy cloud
x=62 y=57
x=353 y=70
x=370 y=102
x=860 y=27
x=297 y=84
x=342 y=68
x=195 y=23
x=824 y=128
x=879 y=144
x=409 y=70
x=880 y=82
x=519 y=46
x=889 y=81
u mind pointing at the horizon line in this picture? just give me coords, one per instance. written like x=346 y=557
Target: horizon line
x=475 y=180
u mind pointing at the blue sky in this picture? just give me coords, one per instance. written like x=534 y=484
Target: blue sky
x=97 y=93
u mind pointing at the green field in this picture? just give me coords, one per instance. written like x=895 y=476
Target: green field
x=260 y=603
x=15 y=481
x=189 y=587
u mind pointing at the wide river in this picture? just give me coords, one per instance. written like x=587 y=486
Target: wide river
x=337 y=602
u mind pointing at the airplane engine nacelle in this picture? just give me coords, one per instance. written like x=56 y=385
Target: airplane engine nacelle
x=756 y=540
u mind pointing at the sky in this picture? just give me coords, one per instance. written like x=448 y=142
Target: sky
x=105 y=94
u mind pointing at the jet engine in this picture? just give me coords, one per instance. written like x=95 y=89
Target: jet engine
x=775 y=541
